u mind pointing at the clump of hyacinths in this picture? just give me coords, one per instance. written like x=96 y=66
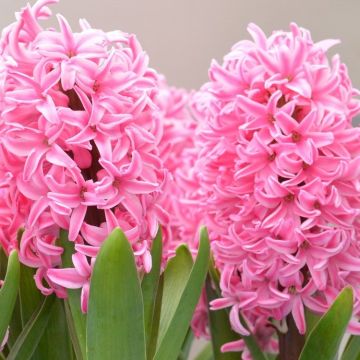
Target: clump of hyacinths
x=107 y=174
x=279 y=169
x=90 y=139
x=79 y=138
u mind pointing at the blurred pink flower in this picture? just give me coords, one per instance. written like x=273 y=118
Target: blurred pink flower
x=181 y=197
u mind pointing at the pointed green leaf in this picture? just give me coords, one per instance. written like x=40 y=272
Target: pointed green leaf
x=15 y=326
x=156 y=320
x=352 y=350
x=56 y=333
x=115 y=320
x=330 y=329
x=311 y=320
x=29 y=294
x=186 y=346
x=29 y=338
x=8 y=292
x=56 y=336
x=76 y=320
x=30 y=299
x=149 y=285
x=173 y=334
x=78 y=351
x=176 y=276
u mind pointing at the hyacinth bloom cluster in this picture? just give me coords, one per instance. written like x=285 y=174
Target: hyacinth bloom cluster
x=279 y=169
x=79 y=145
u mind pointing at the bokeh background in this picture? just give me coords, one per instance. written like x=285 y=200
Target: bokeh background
x=181 y=37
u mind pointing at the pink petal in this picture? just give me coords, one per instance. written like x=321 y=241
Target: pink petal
x=76 y=221
x=298 y=314
x=68 y=278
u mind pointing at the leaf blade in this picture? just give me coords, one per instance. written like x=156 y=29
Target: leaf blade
x=352 y=350
x=29 y=338
x=174 y=283
x=56 y=335
x=170 y=344
x=76 y=320
x=8 y=292
x=330 y=329
x=149 y=286
x=115 y=321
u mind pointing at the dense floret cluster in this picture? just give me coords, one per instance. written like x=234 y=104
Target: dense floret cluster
x=279 y=170
x=79 y=136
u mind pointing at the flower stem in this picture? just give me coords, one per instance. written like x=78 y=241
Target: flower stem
x=290 y=343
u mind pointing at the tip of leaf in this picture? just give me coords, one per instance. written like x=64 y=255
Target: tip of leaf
x=159 y=232
x=347 y=293
x=204 y=232
x=182 y=248
x=116 y=238
x=13 y=254
x=117 y=232
x=348 y=290
x=204 y=240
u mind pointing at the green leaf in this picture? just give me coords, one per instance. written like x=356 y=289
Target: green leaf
x=207 y=353
x=156 y=320
x=15 y=326
x=30 y=296
x=222 y=321
x=149 y=286
x=311 y=320
x=352 y=350
x=220 y=329
x=186 y=346
x=56 y=336
x=8 y=292
x=29 y=338
x=175 y=319
x=176 y=276
x=76 y=320
x=115 y=321
x=324 y=340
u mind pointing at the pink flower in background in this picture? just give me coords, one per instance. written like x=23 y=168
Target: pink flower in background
x=181 y=197
x=279 y=178
x=79 y=143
